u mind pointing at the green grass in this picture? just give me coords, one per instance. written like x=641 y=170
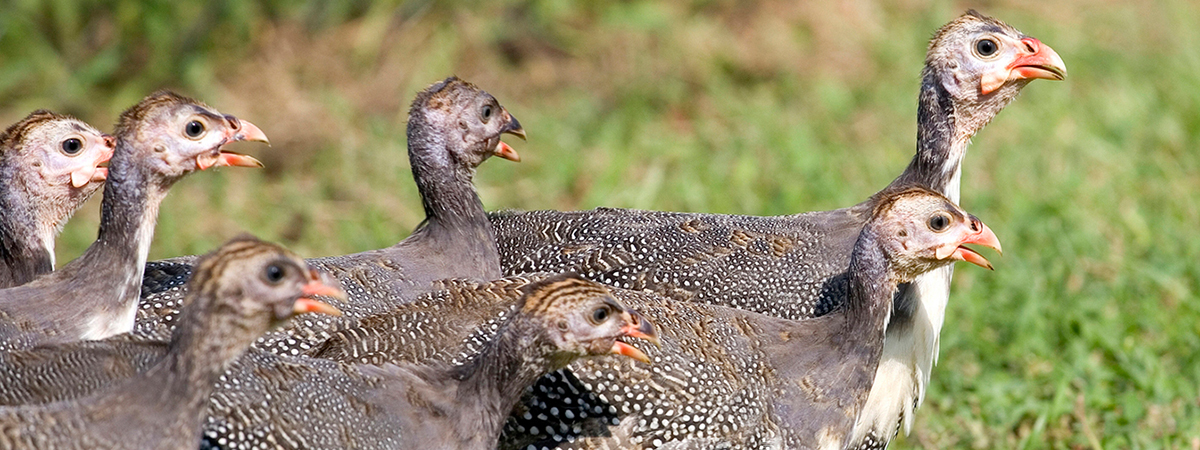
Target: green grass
x=1086 y=336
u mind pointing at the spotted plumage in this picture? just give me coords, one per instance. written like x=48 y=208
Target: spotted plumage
x=723 y=376
x=453 y=128
x=268 y=400
x=242 y=289
x=49 y=166
x=158 y=141
x=790 y=266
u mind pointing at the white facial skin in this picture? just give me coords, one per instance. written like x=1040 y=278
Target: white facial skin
x=190 y=137
x=66 y=154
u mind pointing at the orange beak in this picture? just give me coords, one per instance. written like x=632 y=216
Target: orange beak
x=1037 y=60
x=513 y=128
x=981 y=235
x=319 y=285
x=636 y=326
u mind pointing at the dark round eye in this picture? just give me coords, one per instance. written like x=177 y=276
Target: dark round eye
x=986 y=47
x=599 y=315
x=194 y=129
x=486 y=112
x=939 y=222
x=72 y=146
x=273 y=273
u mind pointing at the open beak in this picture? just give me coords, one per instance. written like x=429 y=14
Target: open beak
x=982 y=235
x=319 y=284
x=513 y=128
x=1037 y=60
x=244 y=131
x=638 y=327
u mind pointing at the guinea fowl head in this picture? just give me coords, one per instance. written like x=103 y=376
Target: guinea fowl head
x=55 y=160
x=921 y=230
x=467 y=120
x=263 y=284
x=180 y=135
x=983 y=63
x=581 y=318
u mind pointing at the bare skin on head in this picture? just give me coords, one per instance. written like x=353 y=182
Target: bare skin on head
x=782 y=266
x=453 y=128
x=239 y=291
x=158 y=141
x=50 y=165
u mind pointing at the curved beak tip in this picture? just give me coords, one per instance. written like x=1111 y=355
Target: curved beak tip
x=251 y=132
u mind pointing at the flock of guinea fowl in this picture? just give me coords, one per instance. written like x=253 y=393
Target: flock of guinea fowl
x=608 y=328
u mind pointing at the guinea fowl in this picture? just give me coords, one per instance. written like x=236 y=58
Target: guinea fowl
x=723 y=376
x=453 y=127
x=241 y=290
x=49 y=166
x=267 y=400
x=788 y=266
x=159 y=140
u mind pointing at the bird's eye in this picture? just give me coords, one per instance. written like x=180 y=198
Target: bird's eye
x=939 y=222
x=194 y=129
x=599 y=315
x=72 y=146
x=986 y=47
x=486 y=113
x=273 y=273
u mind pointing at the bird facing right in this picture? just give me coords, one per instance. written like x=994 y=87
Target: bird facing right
x=49 y=166
x=239 y=291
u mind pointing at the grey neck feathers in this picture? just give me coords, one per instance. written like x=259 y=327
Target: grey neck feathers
x=128 y=212
x=24 y=254
x=940 y=144
x=454 y=217
x=202 y=346
x=493 y=382
x=870 y=287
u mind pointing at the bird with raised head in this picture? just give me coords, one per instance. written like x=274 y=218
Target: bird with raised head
x=158 y=141
x=239 y=291
x=453 y=127
x=788 y=266
x=49 y=166
x=723 y=376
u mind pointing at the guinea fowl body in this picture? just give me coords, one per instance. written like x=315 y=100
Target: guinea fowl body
x=245 y=287
x=723 y=376
x=792 y=266
x=49 y=166
x=268 y=399
x=95 y=296
x=453 y=128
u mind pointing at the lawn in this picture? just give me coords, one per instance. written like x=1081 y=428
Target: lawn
x=1087 y=335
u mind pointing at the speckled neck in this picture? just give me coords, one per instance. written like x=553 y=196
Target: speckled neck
x=941 y=146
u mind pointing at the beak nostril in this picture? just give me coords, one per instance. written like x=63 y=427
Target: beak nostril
x=233 y=122
x=1030 y=44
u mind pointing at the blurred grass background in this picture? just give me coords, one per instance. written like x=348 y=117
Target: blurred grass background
x=1086 y=336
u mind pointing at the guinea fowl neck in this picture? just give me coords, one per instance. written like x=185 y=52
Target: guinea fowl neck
x=940 y=144
x=454 y=217
x=25 y=251
x=444 y=183
x=201 y=347
x=493 y=382
x=870 y=289
x=112 y=265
